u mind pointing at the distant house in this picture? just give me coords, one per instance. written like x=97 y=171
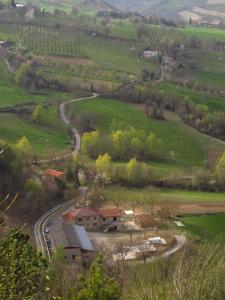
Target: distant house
x=149 y=54
x=217 y=23
x=19 y=5
x=94 y=219
x=55 y=173
x=2 y=43
x=73 y=240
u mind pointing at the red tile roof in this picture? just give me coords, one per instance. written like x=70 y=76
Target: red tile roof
x=70 y=215
x=80 y=213
x=54 y=173
x=107 y=213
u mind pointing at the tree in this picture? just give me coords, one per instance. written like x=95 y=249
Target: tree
x=103 y=164
x=20 y=268
x=23 y=147
x=154 y=147
x=98 y=284
x=136 y=172
x=220 y=170
x=21 y=73
x=39 y=114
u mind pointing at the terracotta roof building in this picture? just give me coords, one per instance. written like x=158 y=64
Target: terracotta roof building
x=92 y=218
x=54 y=173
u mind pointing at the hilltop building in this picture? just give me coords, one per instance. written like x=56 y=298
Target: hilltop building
x=149 y=54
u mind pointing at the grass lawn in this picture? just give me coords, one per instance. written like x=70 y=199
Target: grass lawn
x=186 y=142
x=160 y=195
x=206 y=227
x=205 y=33
x=209 y=77
x=44 y=140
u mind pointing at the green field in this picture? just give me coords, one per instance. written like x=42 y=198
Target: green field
x=186 y=142
x=52 y=137
x=204 y=33
x=206 y=227
x=161 y=195
x=45 y=141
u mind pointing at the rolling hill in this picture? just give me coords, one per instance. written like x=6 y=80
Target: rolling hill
x=205 y=9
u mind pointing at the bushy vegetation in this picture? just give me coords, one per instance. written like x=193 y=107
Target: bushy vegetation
x=124 y=144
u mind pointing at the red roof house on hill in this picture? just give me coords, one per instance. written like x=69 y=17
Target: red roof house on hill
x=54 y=173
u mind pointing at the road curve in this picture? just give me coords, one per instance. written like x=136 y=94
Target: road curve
x=39 y=227
x=76 y=135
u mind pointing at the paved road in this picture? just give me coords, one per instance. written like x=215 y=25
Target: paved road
x=42 y=222
x=76 y=135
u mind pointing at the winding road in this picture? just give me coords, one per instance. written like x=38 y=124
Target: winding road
x=52 y=214
x=75 y=132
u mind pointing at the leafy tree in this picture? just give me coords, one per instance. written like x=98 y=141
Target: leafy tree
x=136 y=172
x=220 y=170
x=20 y=268
x=154 y=146
x=23 y=147
x=90 y=142
x=103 y=164
x=22 y=72
x=98 y=285
x=39 y=114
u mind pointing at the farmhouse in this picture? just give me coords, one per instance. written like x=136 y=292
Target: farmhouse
x=74 y=241
x=149 y=54
x=94 y=219
x=55 y=173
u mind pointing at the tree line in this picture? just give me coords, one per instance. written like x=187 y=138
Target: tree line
x=196 y=115
x=124 y=145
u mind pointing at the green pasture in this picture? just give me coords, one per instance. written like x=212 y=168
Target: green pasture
x=204 y=33
x=209 y=227
x=45 y=140
x=142 y=195
x=185 y=142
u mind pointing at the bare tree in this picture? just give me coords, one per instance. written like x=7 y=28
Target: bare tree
x=145 y=251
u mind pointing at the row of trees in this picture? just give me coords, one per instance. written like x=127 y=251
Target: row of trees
x=134 y=173
x=124 y=145
x=196 y=115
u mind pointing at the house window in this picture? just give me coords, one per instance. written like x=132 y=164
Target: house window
x=80 y=220
x=95 y=218
x=95 y=224
x=73 y=257
x=114 y=218
x=87 y=219
x=104 y=219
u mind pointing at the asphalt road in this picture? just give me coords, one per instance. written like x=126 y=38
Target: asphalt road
x=76 y=135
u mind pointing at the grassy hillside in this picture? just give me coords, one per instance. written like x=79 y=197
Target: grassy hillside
x=44 y=139
x=187 y=143
x=213 y=103
x=11 y=94
x=206 y=227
